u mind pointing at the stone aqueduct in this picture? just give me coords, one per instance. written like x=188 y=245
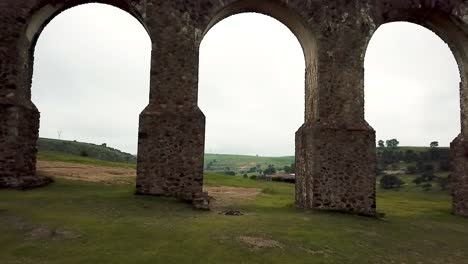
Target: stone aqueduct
x=335 y=148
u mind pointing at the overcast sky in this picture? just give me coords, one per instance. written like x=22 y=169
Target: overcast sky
x=91 y=81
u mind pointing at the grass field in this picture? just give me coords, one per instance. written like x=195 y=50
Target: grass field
x=57 y=156
x=79 y=222
x=240 y=163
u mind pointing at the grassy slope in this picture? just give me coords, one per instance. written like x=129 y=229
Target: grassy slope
x=115 y=226
x=78 y=148
x=243 y=162
x=57 y=156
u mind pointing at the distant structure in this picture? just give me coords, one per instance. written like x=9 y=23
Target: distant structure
x=335 y=148
x=284 y=177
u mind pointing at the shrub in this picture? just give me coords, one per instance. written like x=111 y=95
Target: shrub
x=412 y=169
x=444 y=183
x=426 y=186
x=253 y=177
x=230 y=173
x=391 y=182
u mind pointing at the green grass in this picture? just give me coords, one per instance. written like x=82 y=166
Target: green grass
x=100 y=152
x=57 y=156
x=112 y=225
x=240 y=163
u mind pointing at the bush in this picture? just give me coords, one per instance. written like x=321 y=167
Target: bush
x=230 y=173
x=391 y=182
x=426 y=186
x=246 y=176
x=253 y=177
x=411 y=169
x=425 y=177
x=444 y=183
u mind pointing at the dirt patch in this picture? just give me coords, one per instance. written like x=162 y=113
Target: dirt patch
x=43 y=232
x=224 y=196
x=36 y=232
x=256 y=243
x=89 y=173
x=319 y=252
x=233 y=212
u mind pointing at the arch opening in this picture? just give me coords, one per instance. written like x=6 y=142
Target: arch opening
x=412 y=81
x=91 y=77
x=251 y=89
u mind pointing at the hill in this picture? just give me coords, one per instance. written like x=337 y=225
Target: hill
x=57 y=147
x=243 y=163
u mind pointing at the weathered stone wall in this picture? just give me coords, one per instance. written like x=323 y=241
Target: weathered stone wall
x=459 y=149
x=335 y=148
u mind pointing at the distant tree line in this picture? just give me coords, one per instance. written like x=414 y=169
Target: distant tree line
x=390 y=155
x=422 y=164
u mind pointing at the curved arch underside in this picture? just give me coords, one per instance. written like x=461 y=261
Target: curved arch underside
x=335 y=148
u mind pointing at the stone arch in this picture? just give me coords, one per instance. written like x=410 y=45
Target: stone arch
x=448 y=28
x=19 y=116
x=452 y=29
x=292 y=19
x=284 y=14
x=43 y=15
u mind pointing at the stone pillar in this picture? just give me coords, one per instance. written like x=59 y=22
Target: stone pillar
x=459 y=155
x=172 y=127
x=19 y=118
x=335 y=148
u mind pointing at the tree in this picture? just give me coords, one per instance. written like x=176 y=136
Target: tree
x=290 y=169
x=270 y=170
x=230 y=173
x=391 y=182
x=425 y=177
x=444 y=165
x=434 y=144
x=381 y=144
x=444 y=182
x=412 y=169
x=392 y=143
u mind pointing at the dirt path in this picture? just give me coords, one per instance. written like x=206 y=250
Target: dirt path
x=223 y=196
x=89 y=173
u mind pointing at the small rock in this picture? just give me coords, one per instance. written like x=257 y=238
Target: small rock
x=232 y=212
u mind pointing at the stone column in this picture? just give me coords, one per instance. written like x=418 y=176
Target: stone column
x=335 y=148
x=457 y=40
x=172 y=127
x=459 y=155
x=19 y=118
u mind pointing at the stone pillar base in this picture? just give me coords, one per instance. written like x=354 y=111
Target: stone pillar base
x=335 y=169
x=19 y=128
x=459 y=176
x=171 y=154
x=24 y=182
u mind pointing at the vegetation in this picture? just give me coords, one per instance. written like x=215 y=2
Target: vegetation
x=57 y=156
x=428 y=165
x=99 y=152
x=391 y=182
x=112 y=225
x=243 y=164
